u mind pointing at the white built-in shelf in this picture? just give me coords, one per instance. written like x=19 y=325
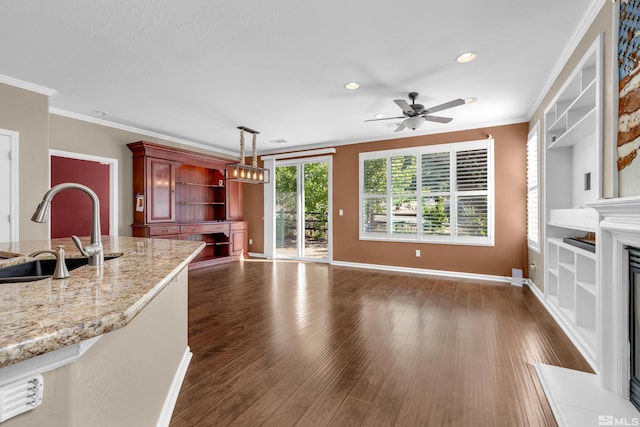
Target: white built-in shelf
x=573 y=170
x=584 y=219
x=571 y=290
x=577 y=122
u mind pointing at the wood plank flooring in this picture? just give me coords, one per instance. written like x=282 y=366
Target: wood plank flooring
x=282 y=343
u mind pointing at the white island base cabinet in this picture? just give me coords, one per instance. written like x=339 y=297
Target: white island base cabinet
x=129 y=377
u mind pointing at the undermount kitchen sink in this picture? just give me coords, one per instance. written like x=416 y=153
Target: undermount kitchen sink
x=41 y=269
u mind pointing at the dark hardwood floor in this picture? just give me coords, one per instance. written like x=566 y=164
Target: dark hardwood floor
x=287 y=343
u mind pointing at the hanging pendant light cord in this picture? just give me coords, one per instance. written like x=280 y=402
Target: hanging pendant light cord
x=254 y=161
x=242 y=146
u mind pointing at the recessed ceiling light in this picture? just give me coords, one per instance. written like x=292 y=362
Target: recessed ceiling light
x=352 y=85
x=466 y=57
x=379 y=116
x=470 y=100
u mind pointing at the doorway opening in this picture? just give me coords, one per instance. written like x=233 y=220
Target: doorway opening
x=302 y=209
x=98 y=173
x=9 y=189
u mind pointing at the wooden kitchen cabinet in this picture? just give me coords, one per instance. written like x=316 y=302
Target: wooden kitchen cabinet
x=238 y=238
x=180 y=194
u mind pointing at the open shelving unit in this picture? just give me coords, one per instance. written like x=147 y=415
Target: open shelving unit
x=184 y=195
x=573 y=170
x=200 y=194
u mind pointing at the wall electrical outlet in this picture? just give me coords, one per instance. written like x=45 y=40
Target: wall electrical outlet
x=340 y=212
x=418 y=253
x=251 y=241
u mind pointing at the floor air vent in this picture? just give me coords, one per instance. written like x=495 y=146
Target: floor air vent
x=20 y=396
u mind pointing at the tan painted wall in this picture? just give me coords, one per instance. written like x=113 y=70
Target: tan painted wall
x=28 y=113
x=78 y=136
x=123 y=380
x=510 y=197
x=254 y=214
x=510 y=204
x=602 y=25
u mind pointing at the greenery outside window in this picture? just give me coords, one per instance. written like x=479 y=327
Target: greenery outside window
x=439 y=193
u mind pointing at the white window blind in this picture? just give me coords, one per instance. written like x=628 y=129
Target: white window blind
x=439 y=193
x=533 y=195
x=374 y=196
x=404 y=195
x=435 y=193
x=471 y=182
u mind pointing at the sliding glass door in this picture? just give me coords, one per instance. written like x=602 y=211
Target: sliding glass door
x=302 y=213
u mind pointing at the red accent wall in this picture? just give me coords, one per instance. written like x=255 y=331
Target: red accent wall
x=71 y=209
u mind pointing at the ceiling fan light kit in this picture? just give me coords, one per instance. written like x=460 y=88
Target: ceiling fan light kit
x=240 y=171
x=415 y=115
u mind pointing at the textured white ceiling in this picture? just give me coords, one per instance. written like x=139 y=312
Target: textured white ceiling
x=197 y=69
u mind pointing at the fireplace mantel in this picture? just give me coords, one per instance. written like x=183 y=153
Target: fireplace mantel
x=623 y=210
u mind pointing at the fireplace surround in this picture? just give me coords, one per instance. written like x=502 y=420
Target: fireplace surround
x=585 y=399
x=619 y=229
x=634 y=326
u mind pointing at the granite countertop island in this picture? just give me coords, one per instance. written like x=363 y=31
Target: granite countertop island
x=45 y=315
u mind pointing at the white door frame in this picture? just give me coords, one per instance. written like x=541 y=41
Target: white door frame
x=300 y=195
x=113 y=182
x=14 y=200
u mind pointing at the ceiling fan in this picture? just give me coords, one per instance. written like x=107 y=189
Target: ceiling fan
x=414 y=115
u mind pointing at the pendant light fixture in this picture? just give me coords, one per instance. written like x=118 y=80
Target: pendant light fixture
x=247 y=173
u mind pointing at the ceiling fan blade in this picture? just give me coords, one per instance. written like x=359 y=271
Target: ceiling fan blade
x=400 y=127
x=385 y=118
x=404 y=105
x=437 y=119
x=444 y=106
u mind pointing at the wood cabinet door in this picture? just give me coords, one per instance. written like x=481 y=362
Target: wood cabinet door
x=234 y=200
x=238 y=241
x=161 y=184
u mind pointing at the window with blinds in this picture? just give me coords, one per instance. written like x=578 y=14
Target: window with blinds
x=533 y=194
x=439 y=193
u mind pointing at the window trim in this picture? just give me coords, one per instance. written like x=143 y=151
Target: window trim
x=534 y=132
x=451 y=239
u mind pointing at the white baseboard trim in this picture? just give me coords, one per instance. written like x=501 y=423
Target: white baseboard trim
x=441 y=273
x=582 y=347
x=174 y=390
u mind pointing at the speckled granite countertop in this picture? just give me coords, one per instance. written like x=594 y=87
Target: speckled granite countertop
x=45 y=315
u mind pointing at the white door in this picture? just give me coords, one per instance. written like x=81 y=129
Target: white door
x=302 y=211
x=8 y=186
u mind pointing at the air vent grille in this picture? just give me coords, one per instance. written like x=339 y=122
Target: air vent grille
x=20 y=396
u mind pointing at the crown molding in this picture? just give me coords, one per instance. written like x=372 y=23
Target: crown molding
x=127 y=128
x=592 y=11
x=27 y=86
x=393 y=135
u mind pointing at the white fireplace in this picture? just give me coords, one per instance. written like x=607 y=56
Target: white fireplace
x=619 y=227
x=584 y=399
